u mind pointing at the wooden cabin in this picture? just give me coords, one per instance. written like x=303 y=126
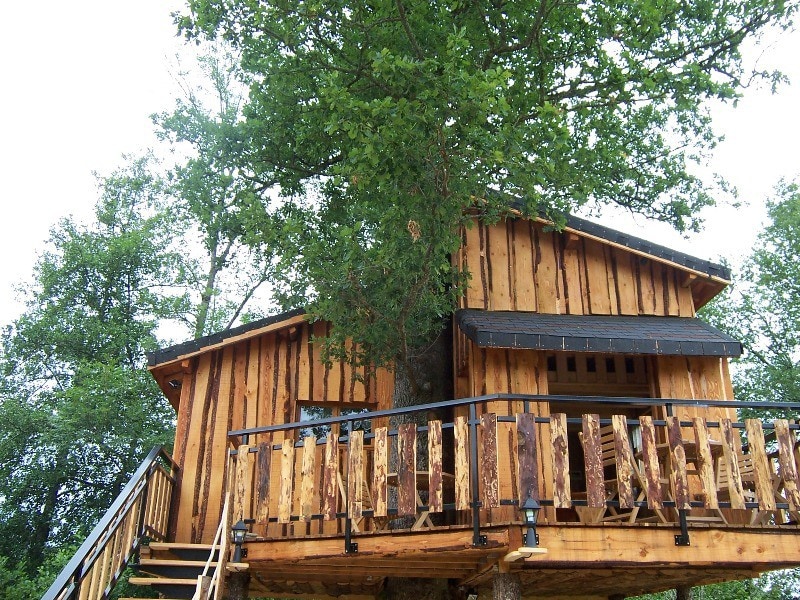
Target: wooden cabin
x=583 y=385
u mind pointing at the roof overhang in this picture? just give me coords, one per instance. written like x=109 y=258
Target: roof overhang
x=623 y=334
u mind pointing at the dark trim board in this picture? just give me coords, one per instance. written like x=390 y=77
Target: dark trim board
x=611 y=334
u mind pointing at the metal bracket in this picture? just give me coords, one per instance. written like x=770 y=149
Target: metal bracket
x=480 y=540
x=351 y=548
x=682 y=539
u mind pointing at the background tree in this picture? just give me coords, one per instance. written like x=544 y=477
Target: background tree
x=78 y=408
x=212 y=200
x=384 y=126
x=764 y=308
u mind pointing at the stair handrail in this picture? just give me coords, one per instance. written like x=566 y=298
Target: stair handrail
x=202 y=592
x=68 y=581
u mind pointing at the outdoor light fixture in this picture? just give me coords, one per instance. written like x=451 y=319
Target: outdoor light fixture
x=530 y=513
x=238 y=533
x=530 y=510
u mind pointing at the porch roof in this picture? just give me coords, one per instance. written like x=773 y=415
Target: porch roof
x=591 y=333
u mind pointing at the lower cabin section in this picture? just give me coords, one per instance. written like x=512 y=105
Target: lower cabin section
x=581 y=562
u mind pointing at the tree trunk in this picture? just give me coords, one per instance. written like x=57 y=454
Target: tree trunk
x=431 y=377
x=237 y=586
x=683 y=593
x=506 y=586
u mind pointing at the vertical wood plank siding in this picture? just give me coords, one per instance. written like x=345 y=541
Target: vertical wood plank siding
x=517 y=265
x=252 y=383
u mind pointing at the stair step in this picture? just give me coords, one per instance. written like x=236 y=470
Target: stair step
x=198 y=552
x=174 y=568
x=168 y=587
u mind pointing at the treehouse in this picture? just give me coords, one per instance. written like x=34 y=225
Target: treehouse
x=591 y=446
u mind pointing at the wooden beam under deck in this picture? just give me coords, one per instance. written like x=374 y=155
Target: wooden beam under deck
x=605 y=559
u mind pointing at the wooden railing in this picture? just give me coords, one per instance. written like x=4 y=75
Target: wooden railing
x=141 y=509
x=487 y=455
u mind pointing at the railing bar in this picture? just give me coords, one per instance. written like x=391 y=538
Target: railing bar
x=669 y=402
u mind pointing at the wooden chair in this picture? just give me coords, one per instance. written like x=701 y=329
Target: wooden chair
x=609 y=461
x=747 y=476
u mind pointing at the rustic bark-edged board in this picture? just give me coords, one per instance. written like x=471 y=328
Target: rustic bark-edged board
x=263 y=463
x=461 y=438
x=788 y=466
x=731 y=458
x=308 y=474
x=331 y=473
x=355 y=474
x=380 y=470
x=762 y=472
x=287 y=481
x=406 y=469
x=593 y=455
x=652 y=472
x=240 y=511
x=705 y=464
x=562 y=494
x=435 y=501
x=677 y=465
x=490 y=489
x=527 y=458
x=624 y=460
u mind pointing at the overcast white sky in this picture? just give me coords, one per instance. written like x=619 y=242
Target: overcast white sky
x=80 y=79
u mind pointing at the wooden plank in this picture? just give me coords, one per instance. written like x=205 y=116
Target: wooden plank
x=524 y=288
x=263 y=464
x=490 y=477
x=593 y=462
x=762 y=472
x=652 y=473
x=243 y=462
x=461 y=439
x=331 y=472
x=786 y=460
x=287 y=481
x=308 y=473
x=435 y=499
x=547 y=272
x=355 y=474
x=705 y=464
x=406 y=469
x=623 y=456
x=596 y=279
x=476 y=296
x=731 y=457
x=500 y=267
x=628 y=295
x=677 y=465
x=527 y=457
x=380 y=471
x=562 y=494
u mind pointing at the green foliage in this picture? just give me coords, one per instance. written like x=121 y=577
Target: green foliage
x=764 y=309
x=384 y=125
x=780 y=585
x=79 y=409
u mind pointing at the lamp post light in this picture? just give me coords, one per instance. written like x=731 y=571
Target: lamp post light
x=530 y=512
x=238 y=533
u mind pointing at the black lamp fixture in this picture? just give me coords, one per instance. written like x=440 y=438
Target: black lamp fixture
x=238 y=533
x=530 y=512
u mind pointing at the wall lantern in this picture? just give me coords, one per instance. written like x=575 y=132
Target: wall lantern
x=530 y=512
x=530 y=516
x=238 y=533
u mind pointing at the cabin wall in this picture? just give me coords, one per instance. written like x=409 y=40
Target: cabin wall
x=252 y=383
x=516 y=265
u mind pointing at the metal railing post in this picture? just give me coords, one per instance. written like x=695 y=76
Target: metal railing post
x=349 y=546
x=477 y=538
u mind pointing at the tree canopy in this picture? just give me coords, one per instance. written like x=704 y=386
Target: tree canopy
x=380 y=127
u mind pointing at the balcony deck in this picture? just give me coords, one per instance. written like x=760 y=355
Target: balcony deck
x=633 y=498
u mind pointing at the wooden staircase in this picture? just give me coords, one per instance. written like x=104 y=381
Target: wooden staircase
x=172 y=569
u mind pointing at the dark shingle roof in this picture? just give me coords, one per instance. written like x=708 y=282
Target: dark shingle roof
x=580 y=333
x=167 y=354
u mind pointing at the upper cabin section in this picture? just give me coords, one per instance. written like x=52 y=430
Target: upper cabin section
x=520 y=264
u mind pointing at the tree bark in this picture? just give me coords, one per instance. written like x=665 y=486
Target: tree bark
x=506 y=586
x=237 y=586
x=683 y=593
